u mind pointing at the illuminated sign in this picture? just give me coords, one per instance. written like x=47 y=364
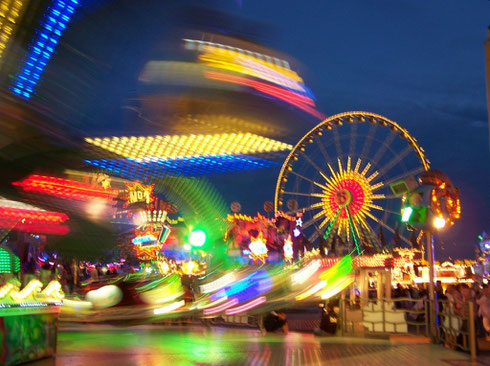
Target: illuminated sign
x=144 y=239
x=258 y=249
x=149 y=240
x=137 y=193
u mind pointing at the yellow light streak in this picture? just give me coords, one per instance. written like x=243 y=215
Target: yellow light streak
x=146 y=148
x=312 y=290
x=223 y=55
x=10 y=11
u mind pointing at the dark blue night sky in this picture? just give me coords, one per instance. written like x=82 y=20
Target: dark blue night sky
x=419 y=63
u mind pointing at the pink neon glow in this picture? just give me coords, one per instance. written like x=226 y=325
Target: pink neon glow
x=220 y=308
x=270 y=74
x=290 y=97
x=247 y=306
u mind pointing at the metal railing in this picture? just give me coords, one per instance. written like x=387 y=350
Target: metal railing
x=384 y=316
x=455 y=325
x=235 y=320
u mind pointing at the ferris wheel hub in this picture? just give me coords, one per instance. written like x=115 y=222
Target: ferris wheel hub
x=343 y=197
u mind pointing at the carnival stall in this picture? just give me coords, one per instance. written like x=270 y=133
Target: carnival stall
x=28 y=315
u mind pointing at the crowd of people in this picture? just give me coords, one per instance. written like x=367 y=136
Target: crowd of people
x=457 y=297
x=452 y=302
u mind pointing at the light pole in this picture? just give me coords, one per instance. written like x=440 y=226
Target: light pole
x=432 y=298
x=430 y=207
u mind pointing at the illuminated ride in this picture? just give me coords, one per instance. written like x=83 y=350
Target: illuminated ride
x=336 y=186
x=245 y=290
x=444 y=198
x=339 y=174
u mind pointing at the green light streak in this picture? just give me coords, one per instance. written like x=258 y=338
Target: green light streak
x=338 y=271
x=352 y=231
x=327 y=232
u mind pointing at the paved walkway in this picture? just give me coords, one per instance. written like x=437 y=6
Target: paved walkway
x=150 y=345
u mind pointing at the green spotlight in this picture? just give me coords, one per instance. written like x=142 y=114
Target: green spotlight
x=197 y=238
x=407 y=212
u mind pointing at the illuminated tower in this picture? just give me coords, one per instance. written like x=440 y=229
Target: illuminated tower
x=487 y=63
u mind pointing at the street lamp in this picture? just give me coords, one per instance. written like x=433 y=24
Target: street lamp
x=439 y=222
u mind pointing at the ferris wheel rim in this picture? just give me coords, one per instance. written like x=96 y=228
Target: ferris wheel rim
x=419 y=151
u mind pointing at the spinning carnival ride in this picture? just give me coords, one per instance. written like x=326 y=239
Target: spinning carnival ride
x=338 y=178
x=340 y=174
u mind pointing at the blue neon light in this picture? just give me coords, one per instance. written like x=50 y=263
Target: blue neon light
x=296 y=232
x=247 y=288
x=201 y=165
x=144 y=239
x=42 y=46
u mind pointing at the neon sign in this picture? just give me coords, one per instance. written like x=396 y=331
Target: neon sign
x=137 y=193
x=149 y=240
x=144 y=239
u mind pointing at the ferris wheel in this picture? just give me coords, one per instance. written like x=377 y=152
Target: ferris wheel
x=339 y=174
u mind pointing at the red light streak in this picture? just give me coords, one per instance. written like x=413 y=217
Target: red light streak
x=33 y=221
x=64 y=188
x=290 y=97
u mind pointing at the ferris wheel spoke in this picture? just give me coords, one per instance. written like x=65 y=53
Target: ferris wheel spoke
x=323 y=187
x=338 y=147
x=314 y=219
x=353 y=232
x=385 y=216
x=313 y=236
x=384 y=146
x=399 y=157
x=390 y=197
x=369 y=140
x=373 y=234
x=414 y=171
x=313 y=164
x=321 y=195
x=404 y=229
x=387 y=211
x=353 y=137
x=314 y=206
x=323 y=150
x=387 y=227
